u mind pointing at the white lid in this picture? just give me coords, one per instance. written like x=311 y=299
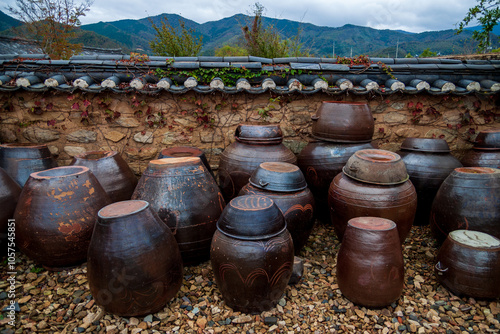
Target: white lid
x=475 y=239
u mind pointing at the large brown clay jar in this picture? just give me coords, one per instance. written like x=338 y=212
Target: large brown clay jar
x=486 y=150
x=370 y=266
x=255 y=144
x=468 y=199
x=134 y=264
x=10 y=191
x=252 y=254
x=321 y=161
x=111 y=170
x=285 y=184
x=21 y=159
x=468 y=264
x=55 y=215
x=187 y=199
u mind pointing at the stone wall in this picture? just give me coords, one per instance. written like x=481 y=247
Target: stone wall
x=139 y=125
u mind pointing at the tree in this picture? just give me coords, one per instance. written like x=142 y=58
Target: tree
x=52 y=23
x=487 y=12
x=176 y=43
x=230 y=51
x=427 y=53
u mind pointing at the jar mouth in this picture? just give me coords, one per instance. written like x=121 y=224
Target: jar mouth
x=122 y=209
x=372 y=223
x=175 y=161
x=346 y=102
x=58 y=172
x=476 y=170
x=378 y=156
x=23 y=145
x=96 y=155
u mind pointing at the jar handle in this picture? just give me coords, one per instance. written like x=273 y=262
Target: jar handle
x=262 y=183
x=440 y=270
x=351 y=168
x=314 y=117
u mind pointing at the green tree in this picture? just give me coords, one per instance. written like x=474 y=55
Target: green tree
x=487 y=13
x=179 y=42
x=52 y=23
x=230 y=50
x=428 y=53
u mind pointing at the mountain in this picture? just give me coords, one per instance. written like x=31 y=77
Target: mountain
x=7 y=22
x=135 y=35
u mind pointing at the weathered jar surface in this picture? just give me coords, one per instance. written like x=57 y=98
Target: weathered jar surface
x=111 y=170
x=370 y=266
x=187 y=199
x=468 y=264
x=134 y=264
x=255 y=144
x=252 y=254
x=184 y=152
x=21 y=159
x=285 y=184
x=486 y=150
x=10 y=191
x=468 y=199
x=55 y=215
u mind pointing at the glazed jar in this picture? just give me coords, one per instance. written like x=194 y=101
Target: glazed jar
x=343 y=122
x=370 y=266
x=252 y=254
x=373 y=183
x=183 y=152
x=111 y=170
x=134 y=264
x=285 y=184
x=468 y=264
x=428 y=162
x=10 y=191
x=21 y=159
x=320 y=162
x=468 y=199
x=255 y=144
x=55 y=215
x=486 y=150
x=187 y=199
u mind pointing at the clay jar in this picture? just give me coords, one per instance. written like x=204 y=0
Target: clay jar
x=185 y=151
x=285 y=184
x=255 y=144
x=111 y=170
x=55 y=215
x=468 y=199
x=486 y=150
x=10 y=191
x=360 y=195
x=320 y=162
x=343 y=122
x=428 y=162
x=370 y=267
x=468 y=264
x=187 y=199
x=252 y=254
x=134 y=264
x=21 y=159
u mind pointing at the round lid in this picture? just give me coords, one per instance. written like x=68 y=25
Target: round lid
x=488 y=140
x=474 y=239
x=259 y=133
x=372 y=223
x=425 y=145
x=251 y=217
x=122 y=209
x=477 y=170
x=278 y=176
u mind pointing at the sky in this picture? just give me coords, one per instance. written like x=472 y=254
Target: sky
x=408 y=15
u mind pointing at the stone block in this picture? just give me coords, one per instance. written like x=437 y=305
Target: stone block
x=127 y=122
x=144 y=153
x=74 y=150
x=39 y=135
x=146 y=138
x=395 y=118
x=408 y=132
x=7 y=135
x=82 y=136
x=114 y=136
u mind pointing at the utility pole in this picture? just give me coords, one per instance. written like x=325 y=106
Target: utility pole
x=397 y=48
x=351 y=51
x=333 y=49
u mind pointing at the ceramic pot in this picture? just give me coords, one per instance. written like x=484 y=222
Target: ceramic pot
x=183 y=152
x=343 y=122
x=320 y=162
x=428 y=162
x=349 y=199
x=252 y=254
x=468 y=199
x=370 y=266
x=111 y=170
x=134 y=264
x=488 y=140
x=55 y=215
x=21 y=159
x=286 y=186
x=10 y=191
x=187 y=199
x=254 y=145
x=481 y=158
x=468 y=264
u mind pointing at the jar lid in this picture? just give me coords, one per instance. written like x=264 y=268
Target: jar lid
x=425 y=145
x=122 y=209
x=278 y=176
x=372 y=223
x=251 y=217
x=474 y=239
x=259 y=133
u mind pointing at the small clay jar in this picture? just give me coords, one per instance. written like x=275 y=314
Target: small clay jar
x=10 y=191
x=134 y=264
x=111 y=170
x=370 y=267
x=55 y=215
x=468 y=264
x=252 y=254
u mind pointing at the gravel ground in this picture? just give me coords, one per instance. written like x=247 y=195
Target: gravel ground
x=60 y=302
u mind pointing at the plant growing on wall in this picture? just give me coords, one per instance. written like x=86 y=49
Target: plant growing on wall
x=179 y=42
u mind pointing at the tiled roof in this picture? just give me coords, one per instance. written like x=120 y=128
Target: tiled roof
x=121 y=74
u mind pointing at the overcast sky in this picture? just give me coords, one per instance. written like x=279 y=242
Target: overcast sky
x=409 y=15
